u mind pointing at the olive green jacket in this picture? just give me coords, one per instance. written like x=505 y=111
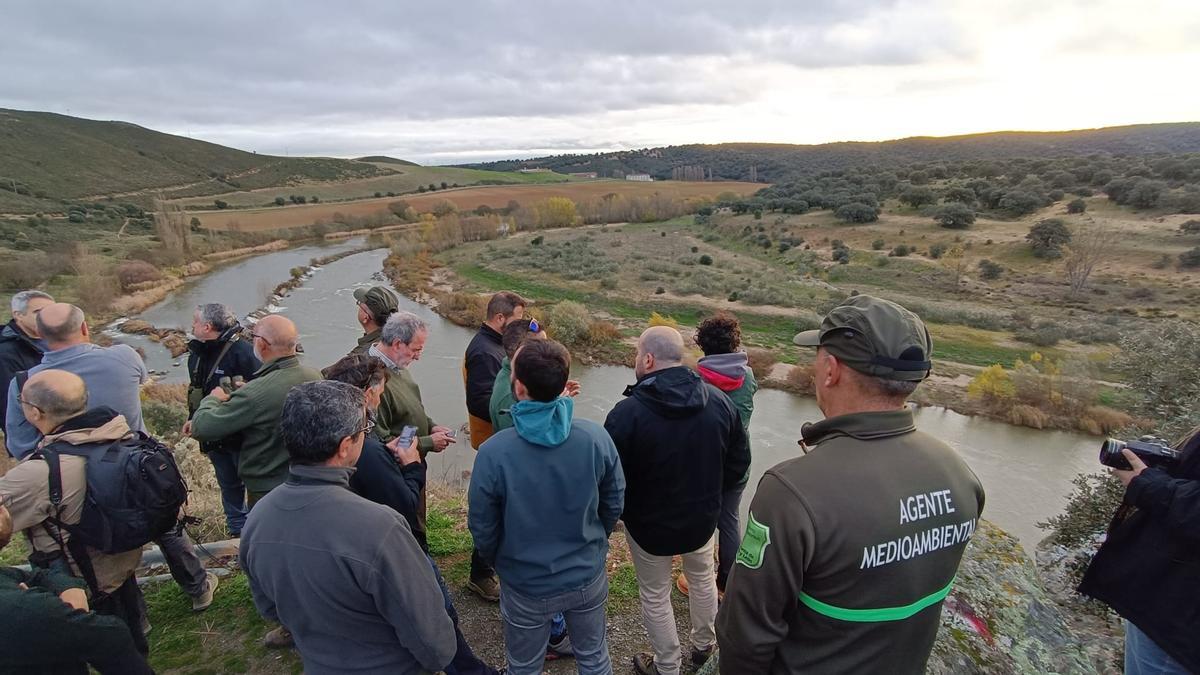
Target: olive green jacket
x=401 y=406
x=254 y=410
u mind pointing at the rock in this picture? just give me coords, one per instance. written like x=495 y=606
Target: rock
x=136 y=327
x=195 y=268
x=176 y=342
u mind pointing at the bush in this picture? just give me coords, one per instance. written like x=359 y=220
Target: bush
x=537 y=241
x=1088 y=512
x=133 y=272
x=800 y=380
x=660 y=290
x=1190 y=258
x=989 y=269
x=1046 y=334
x=569 y=323
x=937 y=251
x=878 y=245
x=602 y=332
x=1076 y=206
x=221 y=204
x=900 y=251
x=857 y=212
x=993 y=385
x=761 y=361
x=1190 y=227
x=1047 y=237
x=706 y=260
x=918 y=196
x=954 y=216
x=163 y=419
x=657 y=319
x=1019 y=203
x=608 y=283
x=1028 y=416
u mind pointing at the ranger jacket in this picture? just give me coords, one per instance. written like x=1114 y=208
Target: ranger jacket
x=849 y=551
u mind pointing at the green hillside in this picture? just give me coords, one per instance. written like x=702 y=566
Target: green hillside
x=46 y=159
x=384 y=159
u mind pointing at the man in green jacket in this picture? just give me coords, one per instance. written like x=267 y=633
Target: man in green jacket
x=253 y=410
x=851 y=548
x=375 y=305
x=516 y=333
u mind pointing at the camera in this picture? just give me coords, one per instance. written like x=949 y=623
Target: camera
x=1153 y=451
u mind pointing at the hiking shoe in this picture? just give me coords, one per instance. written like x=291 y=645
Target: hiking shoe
x=701 y=656
x=146 y=625
x=279 y=638
x=643 y=664
x=202 y=601
x=681 y=584
x=487 y=588
x=560 y=649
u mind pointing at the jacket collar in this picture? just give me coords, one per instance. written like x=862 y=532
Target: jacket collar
x=228 y=334
x=863 y=426
x=371 y=338
x=280 y=363
x=12 y=331
x=319 y=474
x=97 y=425
x=378 y=353
x=67 y=352
x=490 y=333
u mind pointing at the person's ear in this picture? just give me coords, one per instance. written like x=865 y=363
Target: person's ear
x=84 y=329
x=345 y=447
x=833 y=370
x=519 y=390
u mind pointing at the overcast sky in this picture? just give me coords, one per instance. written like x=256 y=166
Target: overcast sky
x=447 y=82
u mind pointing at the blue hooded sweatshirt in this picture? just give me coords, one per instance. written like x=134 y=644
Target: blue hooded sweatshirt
x=544 y=497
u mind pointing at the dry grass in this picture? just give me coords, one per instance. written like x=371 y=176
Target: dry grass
x=252 y=220
x=800 y=380
x=1028 y=416
x=1099 y=420
x=761 y=362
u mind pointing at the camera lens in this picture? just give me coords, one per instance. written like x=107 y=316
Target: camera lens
x=1110 y=452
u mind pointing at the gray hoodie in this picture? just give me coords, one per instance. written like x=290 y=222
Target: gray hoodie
x=346 y=577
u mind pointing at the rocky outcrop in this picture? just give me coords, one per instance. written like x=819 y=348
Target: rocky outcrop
x=173 y=339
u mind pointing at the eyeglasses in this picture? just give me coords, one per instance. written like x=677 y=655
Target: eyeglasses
x=257 y=336
x=534 y=326
x=31 y=405
x=367 y=428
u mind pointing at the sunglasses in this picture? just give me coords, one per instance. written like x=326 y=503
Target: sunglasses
x=534 y=326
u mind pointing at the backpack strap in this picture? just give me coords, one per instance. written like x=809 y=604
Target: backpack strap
x=21 y=377
x=73 y=550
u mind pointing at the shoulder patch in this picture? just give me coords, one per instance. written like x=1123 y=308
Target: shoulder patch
x=754 y=544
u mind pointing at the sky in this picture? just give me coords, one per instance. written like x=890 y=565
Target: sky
x=476 y=80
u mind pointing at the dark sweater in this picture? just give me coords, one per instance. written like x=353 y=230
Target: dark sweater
x=18 y=352
x=379 y=478
x=482 y=362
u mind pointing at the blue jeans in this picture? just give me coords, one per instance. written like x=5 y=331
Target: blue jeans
x=233 y=491
x=465 y=662
x=527 y=627
x=729 y=536
x=1144 y=657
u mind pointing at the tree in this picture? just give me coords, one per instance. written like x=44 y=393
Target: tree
x=443 y=208
x=314 y=199
x=918 y=196
x=1089 y=245
x=221 y=204
x=1190 y=258
x=1048 y=238
x=856 y=212
x=555 y=212
x=1145 y=194
x=955 y=216
x=1018 y=203
x=1076 y=206
x=1162 y=362
x=706 y=259
x=989 y=269
x=954 y=261
x=280 y=201
x=959 y=194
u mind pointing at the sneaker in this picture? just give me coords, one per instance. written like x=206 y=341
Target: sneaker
x=146 y=625
x=560 y=649
x=487 y=588
x=643 y=664
x=701 y=656
x=681 y=584
x=202 y=601
x=279 y=638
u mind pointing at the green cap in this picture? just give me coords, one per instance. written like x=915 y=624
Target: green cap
x=378 y=300
x=876 y=337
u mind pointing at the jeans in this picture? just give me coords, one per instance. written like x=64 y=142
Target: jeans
x=480 y=569
x=654 y=589
x=527 y=627
x=729 y=535
x=1144 y=657
x=185 y=566
x=233 y=491
x=125 y=603
x=465 y=662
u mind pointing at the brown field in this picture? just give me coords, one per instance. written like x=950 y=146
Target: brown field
x=498 y=196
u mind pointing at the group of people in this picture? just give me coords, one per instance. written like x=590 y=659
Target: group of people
x=843 y=562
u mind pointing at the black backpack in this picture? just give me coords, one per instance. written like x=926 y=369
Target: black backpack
x=134 y=492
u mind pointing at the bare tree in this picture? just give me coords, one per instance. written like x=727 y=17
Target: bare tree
x=171 y=226
x=954 y=261
x=1090 y=244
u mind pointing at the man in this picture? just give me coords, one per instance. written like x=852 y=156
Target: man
x=56 y=403
x=543 y=500
x=344 y=574
x=253 y=410
x=1148 y=569
x=46 y=626
x=113 y=376
x=21 y=347
x=484 y=354
x=851 y=548
x=375 y=305
x=682 y=446
x=516 y=333
x=218 y=351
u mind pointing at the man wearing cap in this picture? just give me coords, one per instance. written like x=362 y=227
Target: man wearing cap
x=851 y=548
x=375 y=305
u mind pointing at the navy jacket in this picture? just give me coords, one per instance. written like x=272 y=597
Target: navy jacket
x=482 y=362
x=379 y=478
x=18 y=352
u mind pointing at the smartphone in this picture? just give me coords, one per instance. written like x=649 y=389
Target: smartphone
x=406 y=436
x=226 y=383
x=453 y=433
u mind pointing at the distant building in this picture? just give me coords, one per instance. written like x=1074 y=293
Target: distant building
x=535 y=170
x=584 y=174
x=642 y=177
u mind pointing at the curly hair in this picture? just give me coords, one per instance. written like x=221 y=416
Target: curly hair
x=720 y=333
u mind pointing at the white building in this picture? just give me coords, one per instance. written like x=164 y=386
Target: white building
x=643 y=177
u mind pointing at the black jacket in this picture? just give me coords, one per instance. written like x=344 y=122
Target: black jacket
x=681 y=444
x=1148 y=570
x=380 y=479
x=19 y=352
x=239 y=359
x=482 y=362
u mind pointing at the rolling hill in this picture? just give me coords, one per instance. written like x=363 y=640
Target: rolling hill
x=778 y=162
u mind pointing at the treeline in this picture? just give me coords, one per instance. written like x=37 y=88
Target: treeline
x=778 y=162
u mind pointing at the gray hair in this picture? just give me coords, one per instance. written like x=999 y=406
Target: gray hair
x=402 y=327
x=663 y=346
x=317 y=416
x=55 y=404
x=220 y=316
x=20 y=301
x=891 y=389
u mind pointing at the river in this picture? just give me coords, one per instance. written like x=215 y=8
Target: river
x=1027 y=473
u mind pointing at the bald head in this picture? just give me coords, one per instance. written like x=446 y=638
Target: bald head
x=52 y=397
x=659 y=347
x=62 y=325
x=280 y=336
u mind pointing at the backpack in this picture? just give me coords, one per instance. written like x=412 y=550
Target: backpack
x=134 y=492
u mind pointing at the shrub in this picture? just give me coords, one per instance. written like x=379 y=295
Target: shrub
x=918 y=196
x=660 y=290
x=164 y=420
x=1190 y=258
x=569 y=322
x=900 y=251
x=537 y=241
x=1028 y=416
x=657 y=319
x=1045 y=334
x=601 y=332
x=992 y=385
x=1099 y=420
x=761 y=361
x=1088 y=512
x=989 y=269
x=1047 y=237
x=1190 y=227
x=133 y=272
x=937 y=250
x=221 y=204
x=800 y=380
x=856 y=212
x=706 y=260
x=954 y=216
x=608 y=283
x=878 y=245
x=1076 y=206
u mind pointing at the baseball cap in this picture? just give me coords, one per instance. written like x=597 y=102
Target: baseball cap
x=876 y=337
x=378 y=300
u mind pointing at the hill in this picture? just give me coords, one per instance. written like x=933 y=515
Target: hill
x=46 y=159
x=384 y=159
x=778 y=162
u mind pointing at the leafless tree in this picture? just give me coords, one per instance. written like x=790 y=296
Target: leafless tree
x=1090 y=244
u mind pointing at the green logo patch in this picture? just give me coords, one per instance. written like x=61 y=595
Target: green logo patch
x=754 y=544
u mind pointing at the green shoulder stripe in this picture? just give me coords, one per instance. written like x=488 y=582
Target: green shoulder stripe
x=875 y=615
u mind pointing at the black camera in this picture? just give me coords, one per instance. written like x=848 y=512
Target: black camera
x=1153 y=451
